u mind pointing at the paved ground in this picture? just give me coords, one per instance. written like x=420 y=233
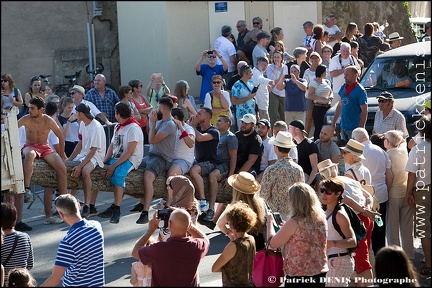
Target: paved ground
x=125 y=234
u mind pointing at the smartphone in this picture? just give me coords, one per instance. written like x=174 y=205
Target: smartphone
x=278 y=218
x=209 y=52
x=255 y=89
x=287 y=76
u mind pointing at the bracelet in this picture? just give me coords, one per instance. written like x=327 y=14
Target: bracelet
x=183 y=135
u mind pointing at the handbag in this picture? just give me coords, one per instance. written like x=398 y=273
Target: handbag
x=370 y=189
x=268 y=267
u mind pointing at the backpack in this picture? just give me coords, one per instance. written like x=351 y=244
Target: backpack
x=356 y=224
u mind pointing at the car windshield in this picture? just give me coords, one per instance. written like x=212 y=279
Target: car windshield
x=411 y=72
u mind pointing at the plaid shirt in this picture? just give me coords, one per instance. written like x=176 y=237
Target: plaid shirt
x=394 y=121
x=105 y=105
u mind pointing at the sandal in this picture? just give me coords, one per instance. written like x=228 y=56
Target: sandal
x=425 y=270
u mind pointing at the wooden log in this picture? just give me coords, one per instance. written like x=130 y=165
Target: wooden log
x=45 y=176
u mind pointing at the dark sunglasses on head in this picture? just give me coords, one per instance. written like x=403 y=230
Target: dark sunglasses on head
x=217 y=82
x=324 y=190
x=35 y=78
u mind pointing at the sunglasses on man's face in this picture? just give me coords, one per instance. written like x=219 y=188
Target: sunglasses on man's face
x=256 y=23
x=324 y=190
x=382 y=101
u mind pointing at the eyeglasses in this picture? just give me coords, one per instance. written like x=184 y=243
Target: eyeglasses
x=211 y=57
x=382 y=100
x=72 y=93
x=331 y=16
x=324 y=190
x=256 y=23
x=217 y=82
x=140 y=85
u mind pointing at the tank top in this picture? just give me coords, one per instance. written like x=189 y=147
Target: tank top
x=217 y=103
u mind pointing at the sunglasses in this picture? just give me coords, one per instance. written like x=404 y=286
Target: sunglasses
x=324 y=190
x=217 y=82
x=256 y=23
x=72 y=93
x=4 y=80
x=382 y=101
x=210 y=57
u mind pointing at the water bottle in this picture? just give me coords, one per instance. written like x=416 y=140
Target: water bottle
x=378 y=221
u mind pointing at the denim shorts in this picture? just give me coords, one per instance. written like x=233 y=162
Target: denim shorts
x=183 y=164
x=121 y=171
x=206 y=167
x=223 y=169
x=155 y=164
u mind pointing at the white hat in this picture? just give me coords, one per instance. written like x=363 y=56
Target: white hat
x=283 y=139
x=78 y=88
x=355 y=148
x=325 y=164
x=394 y=36
x=248 y=118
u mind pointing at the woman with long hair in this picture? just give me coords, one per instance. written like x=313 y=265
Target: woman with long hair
x=142 y=104
x=181 y=91
x=276 y=96
x=11 y=95
x=303 y=236
x=245 y=188
x=34 y=91
x=125 y=95
x=317 y=39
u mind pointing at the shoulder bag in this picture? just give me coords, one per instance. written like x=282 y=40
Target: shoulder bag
x=370 y=189
x=268 y=267
x=12 y=250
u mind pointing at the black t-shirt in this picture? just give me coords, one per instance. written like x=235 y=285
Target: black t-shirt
x=303 y=67
x=251 y=144
x=206 y=150
x=304 y=149
x=232 y=81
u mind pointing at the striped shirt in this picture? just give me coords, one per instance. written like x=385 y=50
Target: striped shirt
x=23 y=255
x=81 y=251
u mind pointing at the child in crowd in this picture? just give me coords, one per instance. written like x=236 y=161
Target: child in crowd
x=21 y=277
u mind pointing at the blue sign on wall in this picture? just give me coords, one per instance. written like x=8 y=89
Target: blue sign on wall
x=221 y=7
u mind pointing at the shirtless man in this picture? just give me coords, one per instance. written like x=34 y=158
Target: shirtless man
x=37 y=126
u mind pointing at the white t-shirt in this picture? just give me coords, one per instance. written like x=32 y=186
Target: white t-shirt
x=268 y=154
x=181 y=150
x=262 y=94
x=419 y=161
x=226 y=49
x=121 y=139
x=339 y=80
x=332 y=30
x=52 y=140
x=271 y=74
x=93 y=135
x=93 y=109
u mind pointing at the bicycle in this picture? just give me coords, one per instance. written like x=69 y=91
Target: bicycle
x=89 y=84
x=63 y=89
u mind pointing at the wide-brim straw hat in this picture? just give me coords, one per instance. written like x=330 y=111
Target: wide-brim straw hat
x=244 y=182
x=325 y=164
x=355 y=148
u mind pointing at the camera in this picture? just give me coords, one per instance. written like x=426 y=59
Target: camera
x=209 y=52
x=278 y=218
x=164 y=215
x=287 y=76
x=255 y=89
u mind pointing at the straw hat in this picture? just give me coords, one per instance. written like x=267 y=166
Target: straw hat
x=244 y=182
x=325 y=164
x=394 y=36
x=355 y=148
x=283 y=139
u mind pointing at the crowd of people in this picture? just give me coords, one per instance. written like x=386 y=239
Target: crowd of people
x=253 y=133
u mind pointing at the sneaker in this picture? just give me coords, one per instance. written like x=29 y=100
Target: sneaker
x=209 y=215
x=159 y=205
x=209 y=224
x=143 y=219
x=108 y=213
x=28 y=196
x=204 y=206
x=138 y=208
x=115 y=216
x=93 y=211
x=85 y=211
x=21 y=226
x=53 y=220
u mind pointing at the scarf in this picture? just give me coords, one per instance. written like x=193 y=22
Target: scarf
x=127 y=122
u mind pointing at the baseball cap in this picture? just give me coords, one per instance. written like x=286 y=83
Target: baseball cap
x=265 y=122
x=385 y=95
x=84 y=108
x=299 y=124
x=248 y=118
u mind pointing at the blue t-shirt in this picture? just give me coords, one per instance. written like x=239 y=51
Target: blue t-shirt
x=207 y=150
x=81 y=251
x=294 y=97
x=207 y=73
x=351 y=111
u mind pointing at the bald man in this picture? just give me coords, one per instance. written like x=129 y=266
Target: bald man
x=185 y=248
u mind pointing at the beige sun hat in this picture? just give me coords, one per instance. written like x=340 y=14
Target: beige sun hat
x=244 y=182
x=324 y=164
x=394 y=36
x=355 y=148
x=283 y=139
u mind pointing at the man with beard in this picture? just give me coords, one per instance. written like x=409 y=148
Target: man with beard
x=327 y=149
x=162 y=139
x=206 y=142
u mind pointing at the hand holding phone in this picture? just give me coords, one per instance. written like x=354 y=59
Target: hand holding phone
x=255 y=89
x=278 y=218
x=209 y=52
x=287 y=76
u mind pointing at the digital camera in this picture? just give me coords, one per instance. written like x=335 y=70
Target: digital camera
x=164 y=215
